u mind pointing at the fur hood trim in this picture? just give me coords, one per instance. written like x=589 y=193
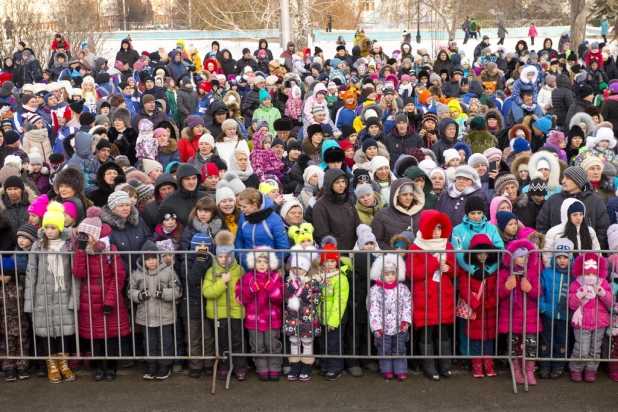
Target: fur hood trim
x=30 y=197
x=554 y=168
x=258 y=252
x=115 y=221
x=388 y=259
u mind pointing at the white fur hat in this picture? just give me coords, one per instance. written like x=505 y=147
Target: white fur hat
x=388 y=263
x=605 y=133
x=262 y=252
x=450 y=154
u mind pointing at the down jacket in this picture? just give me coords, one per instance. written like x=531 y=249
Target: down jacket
x=51 y=311
x=552 y=280
x=263 y=307
x=128 y=235
x=595 y=314
x=562 y=98
x=218 y=292
x=155 y=312
x=394 y=219
x=16 y=213
x=99 y=289
x=533 y=322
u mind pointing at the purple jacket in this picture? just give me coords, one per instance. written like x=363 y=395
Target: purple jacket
x=41 y=179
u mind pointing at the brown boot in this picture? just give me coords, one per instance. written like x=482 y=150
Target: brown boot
x=52 y=371
x=65 y=371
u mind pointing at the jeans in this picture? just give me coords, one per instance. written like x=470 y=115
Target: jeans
x=556 y=351
x=393 y=345
x=518 y=112
x=481 y=347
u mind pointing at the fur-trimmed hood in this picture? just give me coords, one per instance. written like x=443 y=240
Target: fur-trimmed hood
x=533 y=258
x=251 y=258
x=564 y=209
x=115 y=221
x=495 y=113
x=521 y=201
x=386 y=260
x=523 y=76
x=360 y=157
x=170 y=148
x=518 y=161
x=430 y=219
x=582 y=117
x=28 y=197
x=375 y=107
x=554 y=168
x=514 y=129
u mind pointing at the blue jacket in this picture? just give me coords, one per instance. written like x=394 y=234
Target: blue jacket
x=128 y=101
x=267 y=230
x=202 y=106
x=551 y=284
x=20 y=259
x=344 y=116
x=463 y=233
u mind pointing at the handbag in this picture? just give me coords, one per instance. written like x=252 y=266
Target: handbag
x=464 y=310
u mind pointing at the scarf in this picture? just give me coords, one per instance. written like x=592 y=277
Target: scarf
x=259 y=216
x=385 y=285
x=55 y=264
x=578 y=315
x=230 y=139
x=209 y=228
x=563 y=300
x=308 y=188
x=37 y=135
x=231 y=223
x=432 y=244
x=454 y=193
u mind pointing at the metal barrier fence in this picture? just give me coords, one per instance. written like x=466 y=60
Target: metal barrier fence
x=448 y=302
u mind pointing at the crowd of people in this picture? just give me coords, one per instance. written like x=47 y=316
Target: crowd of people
x=210 y=171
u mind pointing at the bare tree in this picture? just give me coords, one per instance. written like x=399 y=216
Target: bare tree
x=580 y=9
x=31 y=27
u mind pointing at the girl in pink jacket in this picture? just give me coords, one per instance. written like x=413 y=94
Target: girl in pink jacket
x=590 y=297
x=532 y=33
x=522 y=284
x=261 y=292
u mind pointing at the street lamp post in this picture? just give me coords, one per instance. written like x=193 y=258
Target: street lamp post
x=418 y=21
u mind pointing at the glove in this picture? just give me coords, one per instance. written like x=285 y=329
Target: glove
x=107 y=310
x=296 y=284
x=510 y=283
x=404 y=327
x=581 y=292
x=254 y=288
x=487 y=305
x=201 y=256
x=269 y=287
x=525 y=285
x=378 y=334
x=590 y=294
x=601 y=292
x=159 y=293
x=82 y=239
x=143 y=295
x=478 y=274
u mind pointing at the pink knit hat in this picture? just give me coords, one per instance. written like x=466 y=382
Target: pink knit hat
x=39 y=207
x=92 y=224
x=70 y=209
x=556 y=138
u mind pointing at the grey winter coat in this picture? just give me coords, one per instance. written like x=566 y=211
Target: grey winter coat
x=596 y=213
x=52 y=311
x=83 y=159
x=127 y=235
x=394 y=219
x=502 y=32
x=154 y=312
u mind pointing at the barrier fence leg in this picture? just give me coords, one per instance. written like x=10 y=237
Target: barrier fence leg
x=214 y=376
x=512 y=369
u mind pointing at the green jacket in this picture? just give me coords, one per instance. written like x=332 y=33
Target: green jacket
x=270 y=114
x=217 y=289
x=367 y=213
x=335 y=297
x=171 y=98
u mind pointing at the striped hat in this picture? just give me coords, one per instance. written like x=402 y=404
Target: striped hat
x=92 y=224
x=28 y=231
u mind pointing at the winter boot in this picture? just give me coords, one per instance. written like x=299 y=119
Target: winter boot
x=530 y=372
x=519 y=377
x=295 y=371
x=429 y=365
x=65 y=371
x=489 y=367
x=74 y=363
x=477 y=368
x=53 y=374
x=445 y=365
x=590 y=376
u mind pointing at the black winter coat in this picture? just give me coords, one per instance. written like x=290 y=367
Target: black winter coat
x=125 y=142
x=579 y=105
x=29 y=71
x=242 y=63
x=562 y=99
x=128 y=235
x=101 y=192
x=251 y=103
x=609 y=111
x=181 y=200
x=398 y=145
x=191 y=274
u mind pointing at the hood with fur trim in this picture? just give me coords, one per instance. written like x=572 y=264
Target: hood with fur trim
x=528 y=233
x=419 y=197
x=590 y=262
x=523 y=76
x=564 y=209
x=170 y=148
x=430 y=219
x=252 y=257
x=518 y=161
x=514 y=129
x=377 y=269
x=115 y=221
x=495 y=113
x=101 y=173
x=554 y=168
x=376 y=108
x=28 y=197
x=582 y=117
x=533 y=258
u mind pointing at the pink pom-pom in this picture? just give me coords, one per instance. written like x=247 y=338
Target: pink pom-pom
x=94 y=212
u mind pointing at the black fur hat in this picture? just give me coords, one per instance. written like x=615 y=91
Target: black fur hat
x=71 y=177
x=334 y=154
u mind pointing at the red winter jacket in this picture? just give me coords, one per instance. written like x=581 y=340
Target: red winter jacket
x=187 y=148
x=55 y=44
x=483 y=327
x=100 y=289
x=428 y=295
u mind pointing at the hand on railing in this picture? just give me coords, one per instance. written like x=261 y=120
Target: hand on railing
x=143 y=295
x=159 y=293
x=107 y=310
x=254 y=288
x=525 y=285
x=601 y=292
x=510 y=283
x=226 y=277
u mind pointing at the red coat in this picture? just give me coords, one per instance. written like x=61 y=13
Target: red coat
x=187 y=148
x=427 y=295
x=484 y=326
x=100 y=289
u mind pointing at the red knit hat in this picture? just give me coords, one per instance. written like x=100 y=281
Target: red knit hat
x=345 y=145
x=209 y=169
x=329 y=246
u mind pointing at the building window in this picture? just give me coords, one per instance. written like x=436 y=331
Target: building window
x=370 y=5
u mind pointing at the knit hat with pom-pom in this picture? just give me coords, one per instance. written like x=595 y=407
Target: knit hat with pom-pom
x=54 y=215
x=92 y=224
x=329 y=247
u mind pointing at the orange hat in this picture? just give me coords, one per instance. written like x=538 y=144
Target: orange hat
x=424 y=96
x=490 y=85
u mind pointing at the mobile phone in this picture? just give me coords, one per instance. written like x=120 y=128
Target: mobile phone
x=493 y=165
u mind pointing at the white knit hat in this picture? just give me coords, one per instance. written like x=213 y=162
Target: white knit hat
x=285 y=208
x=224 y=193
x=149 y=165
x=450 y=154
x=312 y=170
x=208 y=139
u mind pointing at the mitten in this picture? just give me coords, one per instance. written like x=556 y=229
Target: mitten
x=269 y=287
x=510 y=283
x=581 y=292
x=254 y=288
x=525 y=285
x=143 y=295
x=487 y=305
x=590 y=293
x=378 y=334
x=404 y=327
x=159 y=293
x=107 y=310
x=600 y=291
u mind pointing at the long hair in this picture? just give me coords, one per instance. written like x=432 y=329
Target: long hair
x=570 y=232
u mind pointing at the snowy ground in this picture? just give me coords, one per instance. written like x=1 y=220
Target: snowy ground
x=110 y=47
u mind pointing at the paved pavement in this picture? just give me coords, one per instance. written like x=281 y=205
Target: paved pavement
x=371 y=392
